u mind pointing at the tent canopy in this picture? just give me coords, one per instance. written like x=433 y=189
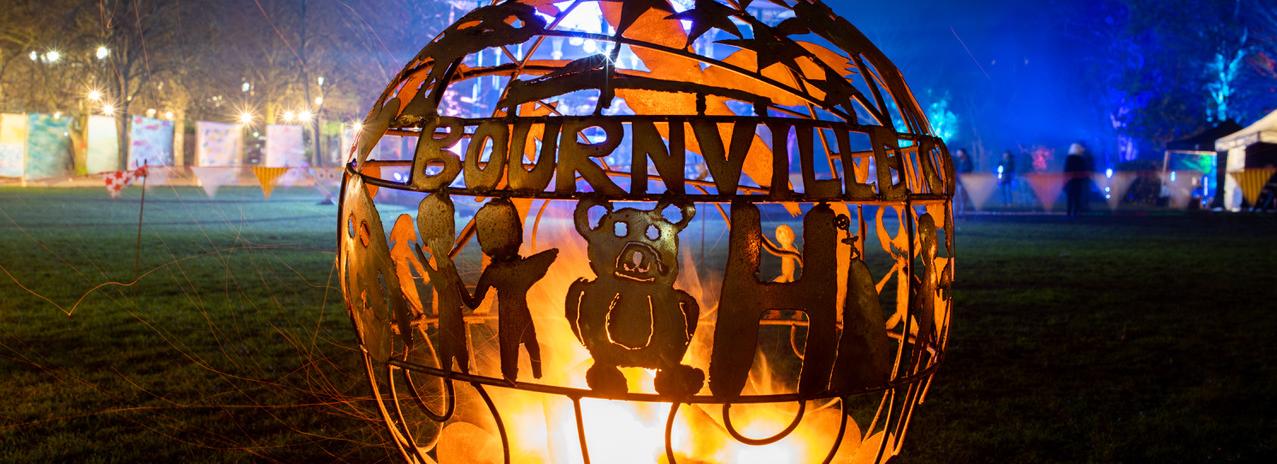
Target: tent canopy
x=1262 y=131
x=1205 y=140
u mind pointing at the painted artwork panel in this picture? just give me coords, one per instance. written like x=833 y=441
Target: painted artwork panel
x=218 y=144
x=150 y=142
x=103 y=150
x=48 y=146
x=286 y=147
x=13 y=144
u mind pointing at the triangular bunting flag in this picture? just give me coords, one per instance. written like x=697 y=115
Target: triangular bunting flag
x=266 y=177
x=323 y=181
x=979 y=187
x=159 y=175
x=328 y=177
x=1047 y=187
x=1252 y=182
x=116 y=181
x=213 y=178
x=1117 y=187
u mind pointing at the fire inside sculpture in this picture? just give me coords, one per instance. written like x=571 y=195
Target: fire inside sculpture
x=643 y=231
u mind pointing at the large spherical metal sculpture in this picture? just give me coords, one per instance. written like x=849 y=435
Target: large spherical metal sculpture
x=640 y=231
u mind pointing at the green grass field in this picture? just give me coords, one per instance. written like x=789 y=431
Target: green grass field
x=1107 y=339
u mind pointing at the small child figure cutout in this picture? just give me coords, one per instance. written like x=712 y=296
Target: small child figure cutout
x=404 y=234
x=500 y=236
x=789 y=255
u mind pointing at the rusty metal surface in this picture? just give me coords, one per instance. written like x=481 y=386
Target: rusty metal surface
x=795 y=112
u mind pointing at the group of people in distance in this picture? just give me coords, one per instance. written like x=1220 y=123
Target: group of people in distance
x=1078 y=167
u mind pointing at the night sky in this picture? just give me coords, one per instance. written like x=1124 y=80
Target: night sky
x=1028 y=71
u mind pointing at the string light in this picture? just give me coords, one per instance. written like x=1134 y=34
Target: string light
x=33 y=55
x=52 y=56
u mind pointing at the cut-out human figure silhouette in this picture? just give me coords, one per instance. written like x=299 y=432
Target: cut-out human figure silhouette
x=438 y=231
x=897 y=247
x=934 y=281
x=404 y=234
x=500 y=236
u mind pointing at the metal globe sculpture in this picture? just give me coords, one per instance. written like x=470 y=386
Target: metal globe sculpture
x=642 y=231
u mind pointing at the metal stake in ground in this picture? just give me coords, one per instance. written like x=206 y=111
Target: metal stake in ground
x=137 y=252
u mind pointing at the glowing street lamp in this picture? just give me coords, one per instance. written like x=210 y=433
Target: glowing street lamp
x=305 y=116
x=108 y=109
x=94 y=95
x=289 y=116
x=102 y=52
x=245 y=118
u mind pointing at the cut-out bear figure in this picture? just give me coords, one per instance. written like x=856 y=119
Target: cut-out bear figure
x=631 y=315
x=500 y=236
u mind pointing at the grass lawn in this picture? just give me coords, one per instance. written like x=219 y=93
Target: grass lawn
x=1107 y=339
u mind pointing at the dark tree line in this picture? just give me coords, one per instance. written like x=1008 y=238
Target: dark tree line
x=1158 y=70
x=208 y=60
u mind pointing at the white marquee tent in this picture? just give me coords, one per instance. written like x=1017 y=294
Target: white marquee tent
x=1254 y=146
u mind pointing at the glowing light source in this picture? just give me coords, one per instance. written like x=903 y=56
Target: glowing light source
x=245 y=87
x=94 y=95
x=102 y=52
x=245 y=117
x=33 y=55
x=320 y=80
x=150 y=112
x=168 y=115
x=1108 y=173
x=52 y=56
x=305 y=116
x=108 y=109
x=319 y=101
x=357 y=126
x=289 y=116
